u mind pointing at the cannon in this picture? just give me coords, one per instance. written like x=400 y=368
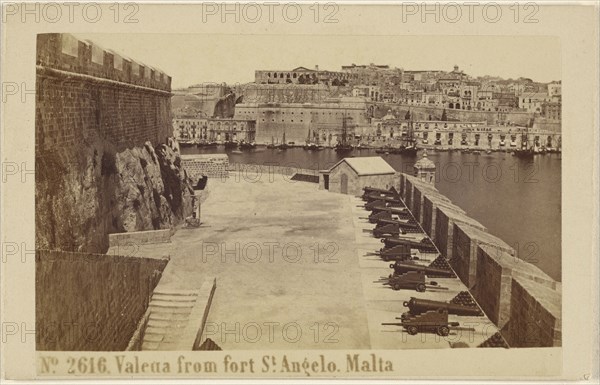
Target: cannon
x=412 y=280
x=418 y=306
x=425 y=245
x=374 y=217
x=405 y=224
x=433 y=321
x=392 y=210
x=402 y=268
x=387 y=230
x=396 y=253
x=374 y=197
x=369 y=190
x=389 y=214
x=379 y=204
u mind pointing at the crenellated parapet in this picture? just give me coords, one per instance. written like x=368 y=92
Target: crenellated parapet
x=66 y=52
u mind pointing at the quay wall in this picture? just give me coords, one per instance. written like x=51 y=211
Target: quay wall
x=103 y=164
x=523 y=301
x=210 y=165
x=91 y=302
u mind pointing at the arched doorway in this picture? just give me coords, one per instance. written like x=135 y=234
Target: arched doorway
x=344 y=184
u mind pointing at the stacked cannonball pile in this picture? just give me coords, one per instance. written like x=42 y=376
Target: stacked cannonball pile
x=440 y=263
x=464 y=298
x=495 y=341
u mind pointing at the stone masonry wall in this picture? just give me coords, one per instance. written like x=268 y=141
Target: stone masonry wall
x=495 y=270
x=90 y=301
x=535 y=315
x=213 y=166
x=82 y=87
x=465 y=241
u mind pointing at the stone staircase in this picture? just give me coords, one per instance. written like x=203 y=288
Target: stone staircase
x=169 y=315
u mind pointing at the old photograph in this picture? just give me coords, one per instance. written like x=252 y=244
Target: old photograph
x=288 y=204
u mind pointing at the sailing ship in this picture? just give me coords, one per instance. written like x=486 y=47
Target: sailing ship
x=283 y=145
x=525 y=151
x=343 y=146
x=310 y=145
x=272 y=145
x=409 y=144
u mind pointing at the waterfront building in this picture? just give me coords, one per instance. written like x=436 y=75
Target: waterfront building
x=214 y=129
x=319 y=122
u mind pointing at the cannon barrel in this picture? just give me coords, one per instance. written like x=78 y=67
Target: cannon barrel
x=383 y=198
x=419 y=306
x=396 y=252
x=374 y=217
x=391 y=190
x=386 y=221
x=382 y=231
x=398 y=210
x=391 y=241
x=401 y=268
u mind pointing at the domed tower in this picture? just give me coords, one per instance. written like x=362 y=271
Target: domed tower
x=425 y=169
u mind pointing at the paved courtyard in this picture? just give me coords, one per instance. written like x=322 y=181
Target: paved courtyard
x=295 y=270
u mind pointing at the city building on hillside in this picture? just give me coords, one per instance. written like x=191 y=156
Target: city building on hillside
x=302 y=75
x=533 y=102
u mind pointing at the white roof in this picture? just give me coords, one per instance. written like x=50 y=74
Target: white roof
x=368 y=165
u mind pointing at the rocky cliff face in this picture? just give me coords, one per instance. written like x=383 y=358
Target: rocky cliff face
x=84 y=194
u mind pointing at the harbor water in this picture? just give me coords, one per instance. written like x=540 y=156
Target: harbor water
x=518 y=200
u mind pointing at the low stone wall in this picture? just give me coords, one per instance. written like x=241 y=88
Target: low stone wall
x=465 y=241
x=446 y=217
x=210 y=165
x=495 y=269
x=91 y=302
x=139 y=237
x=430 y=204
x=535 y=315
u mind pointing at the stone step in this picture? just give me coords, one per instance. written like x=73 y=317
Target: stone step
x=150 y=345
x=170 y=310
x=170 y=304
x=167 y=323
x=153 y=337
x=176 y=292
x=174 y=298
x=165 y=315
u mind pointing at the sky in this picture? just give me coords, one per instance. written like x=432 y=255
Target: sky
x=197 y=58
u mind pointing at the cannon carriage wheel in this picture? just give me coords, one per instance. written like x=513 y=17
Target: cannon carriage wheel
x=443 y=331
x=396 y=286
x=421 y=287
x=412 y=330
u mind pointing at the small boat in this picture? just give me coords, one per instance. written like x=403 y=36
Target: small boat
x=236 y=152
x=231 y=144
x=488 y=152
x=187 y=142
x=476 y=152
x=247 y=145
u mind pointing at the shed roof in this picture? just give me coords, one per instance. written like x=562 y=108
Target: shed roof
x=368 y=165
